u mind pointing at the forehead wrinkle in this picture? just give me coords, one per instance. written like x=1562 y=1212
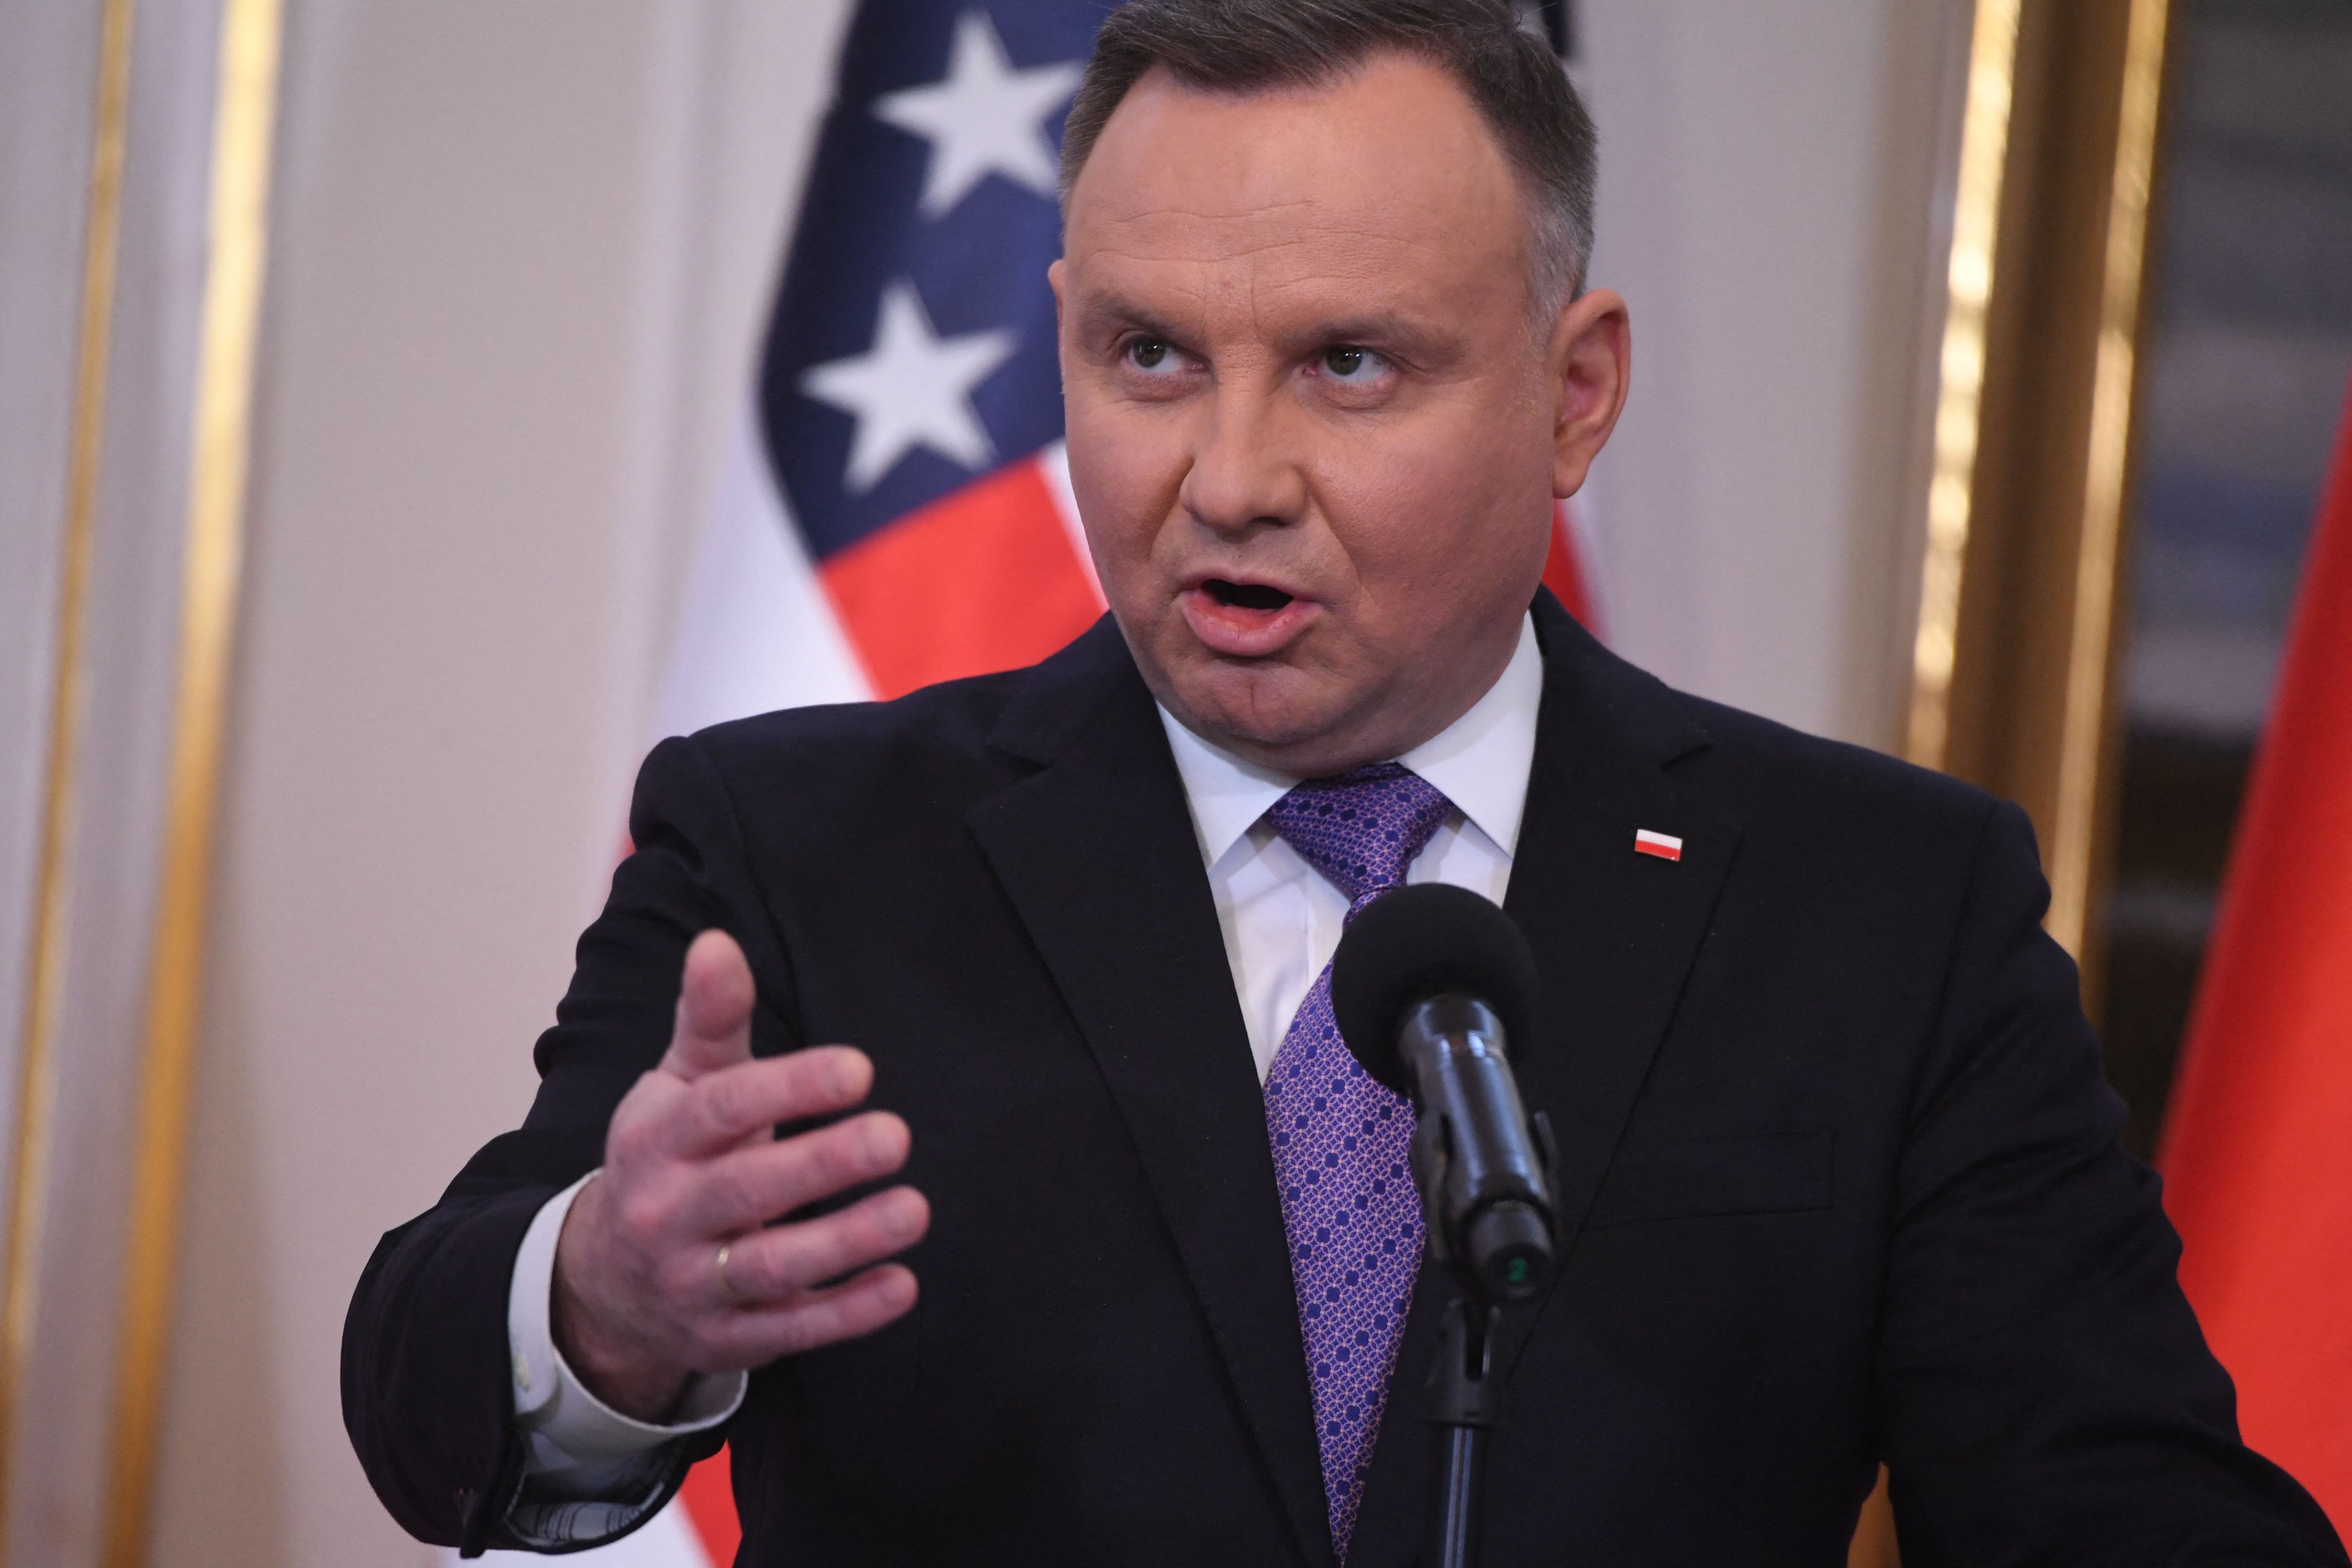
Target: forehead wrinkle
x=1173 y=236
x=1345 y=255
x=1243 y=231
x=1343 y=241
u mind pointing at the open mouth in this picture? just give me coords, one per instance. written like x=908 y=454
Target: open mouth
x=1244 y=596
x=1245 y=620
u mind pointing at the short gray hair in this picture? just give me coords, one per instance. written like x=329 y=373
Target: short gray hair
x=1247 y=45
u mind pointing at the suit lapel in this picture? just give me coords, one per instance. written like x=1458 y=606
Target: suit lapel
x=1614 y=931
x=1615 y=935
x=1097 y=854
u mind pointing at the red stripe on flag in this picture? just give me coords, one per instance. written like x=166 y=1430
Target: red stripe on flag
x=2258 y=1152
x=709 y=1495
x=982 y=579
x=1564 y=572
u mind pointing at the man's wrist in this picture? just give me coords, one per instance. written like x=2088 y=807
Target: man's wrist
x=640 y=1386
x=623 y=1370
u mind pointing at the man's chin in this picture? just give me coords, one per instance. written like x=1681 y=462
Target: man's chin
x=1273 y=714
x=1291 y=712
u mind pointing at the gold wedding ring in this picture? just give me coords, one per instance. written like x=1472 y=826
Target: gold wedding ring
x=725 y=1284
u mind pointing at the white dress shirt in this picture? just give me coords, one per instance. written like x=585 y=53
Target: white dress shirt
x=1281 y=920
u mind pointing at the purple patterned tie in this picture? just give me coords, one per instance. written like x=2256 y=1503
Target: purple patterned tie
x=1341 y=1139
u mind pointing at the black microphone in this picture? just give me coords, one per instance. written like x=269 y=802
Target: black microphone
x=1432 y=987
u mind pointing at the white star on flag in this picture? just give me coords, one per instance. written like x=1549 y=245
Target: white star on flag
x=985 y=116
x=912 y=388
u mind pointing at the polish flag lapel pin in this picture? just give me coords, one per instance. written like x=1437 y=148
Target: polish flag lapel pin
x=1664 y=846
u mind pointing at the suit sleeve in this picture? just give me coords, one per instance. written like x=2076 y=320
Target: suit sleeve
x=2045 y=1395
x=426 y=1377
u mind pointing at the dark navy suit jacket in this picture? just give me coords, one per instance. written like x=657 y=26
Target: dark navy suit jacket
x=1837 y=1167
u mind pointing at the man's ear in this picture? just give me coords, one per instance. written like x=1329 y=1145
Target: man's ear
x=1054 y=281
x=1591 y=366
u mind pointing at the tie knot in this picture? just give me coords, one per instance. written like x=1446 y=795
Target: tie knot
x=1361 y=830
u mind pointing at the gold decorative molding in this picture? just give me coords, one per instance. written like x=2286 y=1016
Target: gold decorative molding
x=243 y=123
x=53 y=881
x=1976 y=234
x=2083 y=733
x=2028 y=507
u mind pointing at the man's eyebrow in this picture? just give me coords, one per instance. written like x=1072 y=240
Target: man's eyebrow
x=1376 y=326
x=1108 y=313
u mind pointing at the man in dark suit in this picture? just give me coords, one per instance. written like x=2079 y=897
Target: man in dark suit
x=1838 y=1175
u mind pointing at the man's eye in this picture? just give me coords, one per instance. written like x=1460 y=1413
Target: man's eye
x=1151 y=354
x=1346 y=362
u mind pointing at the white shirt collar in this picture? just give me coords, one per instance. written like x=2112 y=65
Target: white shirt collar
x=1480 y=762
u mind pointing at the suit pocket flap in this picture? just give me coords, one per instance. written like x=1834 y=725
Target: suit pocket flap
x=1767 y=1172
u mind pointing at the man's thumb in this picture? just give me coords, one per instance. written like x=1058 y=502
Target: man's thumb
x=714 y=1008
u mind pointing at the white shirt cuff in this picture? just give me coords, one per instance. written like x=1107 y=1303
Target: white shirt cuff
x=566 y=1427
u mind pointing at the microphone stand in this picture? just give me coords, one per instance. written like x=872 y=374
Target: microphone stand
x=1465 y=1404
x=1487 y=1209
x=1463 y=1401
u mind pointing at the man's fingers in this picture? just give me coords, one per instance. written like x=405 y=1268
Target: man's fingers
x=724 y=1107
x=784 y=1260
x=821 y=1317
x=752 y=1185
x=714 y=1008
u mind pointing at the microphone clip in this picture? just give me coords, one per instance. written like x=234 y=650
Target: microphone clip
x=1482 y=1164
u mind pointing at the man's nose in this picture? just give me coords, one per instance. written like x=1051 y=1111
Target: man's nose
x=1244 y=471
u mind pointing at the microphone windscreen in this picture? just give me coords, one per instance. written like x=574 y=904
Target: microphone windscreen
x=1421 y=941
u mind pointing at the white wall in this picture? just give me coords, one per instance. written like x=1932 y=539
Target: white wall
x=1768 y=184
x=522 y=249
x=522 y=254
